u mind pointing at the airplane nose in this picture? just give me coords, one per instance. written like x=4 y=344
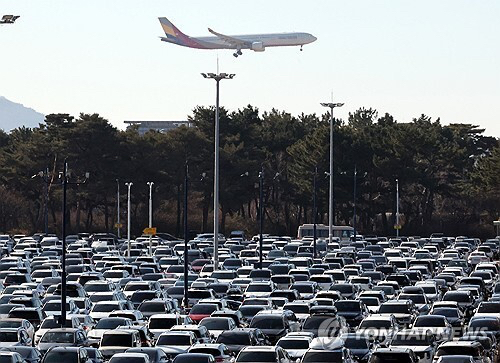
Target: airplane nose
x=312 y=38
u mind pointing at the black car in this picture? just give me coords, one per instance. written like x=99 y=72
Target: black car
x=354 y=311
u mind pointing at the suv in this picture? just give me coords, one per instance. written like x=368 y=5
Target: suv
x=275 y=323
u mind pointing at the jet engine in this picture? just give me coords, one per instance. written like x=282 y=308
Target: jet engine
x=258 y=47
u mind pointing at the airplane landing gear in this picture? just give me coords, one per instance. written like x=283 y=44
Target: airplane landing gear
x=239 y=52
x=301 y=48
x=235 y=55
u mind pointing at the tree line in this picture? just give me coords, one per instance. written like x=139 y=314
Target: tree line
x=449 y=175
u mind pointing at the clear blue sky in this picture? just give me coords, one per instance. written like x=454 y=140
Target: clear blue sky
x=441 y=58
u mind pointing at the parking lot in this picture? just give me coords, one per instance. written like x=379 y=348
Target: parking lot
x=365 y=299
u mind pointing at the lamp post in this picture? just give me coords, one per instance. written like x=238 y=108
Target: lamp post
x=331 y=193
x=186 y=237
x=397 y=207
x=354 y=203
x=315 y=212
x=150 y=225
x=261 y=213
x=217 y=78
x=129 y=244
x=9 y=19
x=64 y=176
x=118 y=207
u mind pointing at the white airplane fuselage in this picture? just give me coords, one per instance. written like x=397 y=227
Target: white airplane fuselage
x=267 y=40
x=255 y=42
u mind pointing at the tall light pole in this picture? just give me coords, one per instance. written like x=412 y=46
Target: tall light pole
x=9 y=19
x=150 y=225
x=150 y=184
x=118 y=207
x=354 y=203
x=261 y=214
x=217 y=78
x=397 y=208
x=64 y=176
x=186 y=236
x=315 y=212
x=129 y=244
x=331 y=196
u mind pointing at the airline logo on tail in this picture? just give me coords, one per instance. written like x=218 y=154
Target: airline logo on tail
x=168 y=28
x=174 y=35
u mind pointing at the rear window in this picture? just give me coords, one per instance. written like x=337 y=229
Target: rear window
x=322 y=357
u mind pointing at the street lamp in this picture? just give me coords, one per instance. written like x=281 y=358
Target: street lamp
x=118 y=226
x=129 y=244
x=64 y=176
x=354 y=204
x=150 y=184
x=186 y=237
x=331 y=196
x=44 y=175
x=217 y=78
x=150 y=225
x=261 y=213
x=315 y=212
x=9 y=19
x=397 y=208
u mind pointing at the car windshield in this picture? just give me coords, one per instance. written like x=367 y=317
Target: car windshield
x=391 y=358
x=152 y=306
x=403 y=339
x=58 y=357
x=257 y=357
x=267 y=322
x=294 y=343
x=259 y=288
x=349 y=306
x=8 y=336
x=120 y=340
x=394 y=308
x=204 y=309
x=127 y=360
x=162 y=323
x=215 y=324
x=58 y=337
x=96 y=287
x=488 y=324
x=377 y=324
x=10 y=323
x=430 y=321
x=449 y=313
x=489 y=308
x=356 y=343
x=174 y=340
x=110 y=323
x=105 y=308
x=298 y=308
x=324 y=356
x=342 y=288
x=458 y=350
x=230 y=338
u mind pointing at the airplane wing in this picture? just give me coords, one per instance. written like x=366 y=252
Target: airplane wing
x=231 y=40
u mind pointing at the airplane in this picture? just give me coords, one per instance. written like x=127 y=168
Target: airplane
x=9 y=19
x=255 y=42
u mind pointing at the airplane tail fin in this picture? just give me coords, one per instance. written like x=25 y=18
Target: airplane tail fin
x=171 y=31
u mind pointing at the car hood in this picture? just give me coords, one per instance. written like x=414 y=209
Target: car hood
x=296 y=353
